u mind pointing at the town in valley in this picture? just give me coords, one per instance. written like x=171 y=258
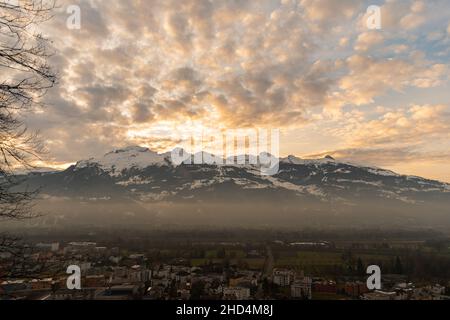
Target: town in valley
x=229 y=265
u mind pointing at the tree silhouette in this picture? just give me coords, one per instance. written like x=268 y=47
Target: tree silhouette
x=360 y=268
x=398 y=266
x=25 y=77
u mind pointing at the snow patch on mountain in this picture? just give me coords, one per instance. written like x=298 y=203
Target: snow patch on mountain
x=135 y=181
x=370 y=183
x=382 y=172
x=309 y=189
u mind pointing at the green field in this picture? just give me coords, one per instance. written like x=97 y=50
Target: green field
x=310 y=258
x=325 y=262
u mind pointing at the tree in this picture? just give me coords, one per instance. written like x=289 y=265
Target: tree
x=398 y=266
x=197 y=290
x=266 y=287
x=173 y=290
x=25 y=77
x=221 y=253
x=360 y=268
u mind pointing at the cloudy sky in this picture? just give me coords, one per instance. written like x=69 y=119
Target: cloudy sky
x=143 y=72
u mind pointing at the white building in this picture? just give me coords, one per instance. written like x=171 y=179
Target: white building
x=139 y=274
x=302 y=288
x=283 y=278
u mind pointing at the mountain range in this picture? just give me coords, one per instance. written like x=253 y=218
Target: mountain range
x=140 y=177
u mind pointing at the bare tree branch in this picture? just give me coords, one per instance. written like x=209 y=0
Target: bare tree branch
x=25 y=77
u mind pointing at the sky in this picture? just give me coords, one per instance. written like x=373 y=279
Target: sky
x=145 y=72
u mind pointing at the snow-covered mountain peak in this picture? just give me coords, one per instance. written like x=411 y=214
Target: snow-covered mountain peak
x=127 y=158
x=140 y=158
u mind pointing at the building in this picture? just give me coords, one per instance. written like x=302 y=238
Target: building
x=302 y=288
x=121 y=292
x=139 y=274
x=8 y=287
x=94 y=281
x=184 y=294
x=355 y=289
x=183 y=277
x=80 y=247
x=53 y=247
x=5 y=255
x=282 y=278
x=42 y=284
x=324 y=287
x=84 y=266
x=236 y=293
x=243 y=281
x=435 y=292
x=65 y=294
